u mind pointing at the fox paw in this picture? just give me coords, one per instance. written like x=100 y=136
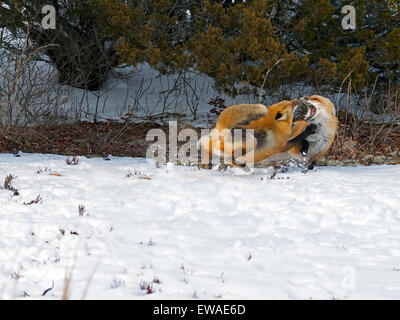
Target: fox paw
x=206 y=166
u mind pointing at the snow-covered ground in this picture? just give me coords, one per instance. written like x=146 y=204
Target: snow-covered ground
x=329 y=234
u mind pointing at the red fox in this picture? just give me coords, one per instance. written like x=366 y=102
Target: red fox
x=272 y=129
x=319 y=113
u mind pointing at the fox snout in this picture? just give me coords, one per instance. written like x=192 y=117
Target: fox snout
x=300 y=112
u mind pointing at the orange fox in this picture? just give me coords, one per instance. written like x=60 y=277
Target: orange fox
x=318 y=112
x=271 y=130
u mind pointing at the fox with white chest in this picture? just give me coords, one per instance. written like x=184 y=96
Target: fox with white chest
x=318 y=112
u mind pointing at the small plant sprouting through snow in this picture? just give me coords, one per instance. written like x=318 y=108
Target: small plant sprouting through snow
x=81 y=210
x=137 y=173
x=222 y=277
x=7 y=184
x=15 y=275
x=150 y=243
x=37 y=200
x=116 y=284
x=51 y=172
x=48 y=289
x=133 y=173
x=186 y=271
x=156 y=280
x=71 y=232
x=72 y=162
x=40 y=170
x=147 y=286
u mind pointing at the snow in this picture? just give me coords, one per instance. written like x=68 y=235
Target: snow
x=329 y=234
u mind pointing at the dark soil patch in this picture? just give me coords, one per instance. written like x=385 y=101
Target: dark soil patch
x=81 y=139
x=129 y=139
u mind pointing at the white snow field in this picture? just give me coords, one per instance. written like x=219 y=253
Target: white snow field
x=187 y=233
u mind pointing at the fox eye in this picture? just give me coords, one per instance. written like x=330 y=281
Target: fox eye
x=278 y=115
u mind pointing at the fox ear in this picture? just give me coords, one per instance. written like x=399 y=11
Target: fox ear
x=282 y=117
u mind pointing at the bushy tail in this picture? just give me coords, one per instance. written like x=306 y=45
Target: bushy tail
x=216 y=141
x=236 y=114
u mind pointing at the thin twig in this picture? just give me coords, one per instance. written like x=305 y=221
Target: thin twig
x=265 y=78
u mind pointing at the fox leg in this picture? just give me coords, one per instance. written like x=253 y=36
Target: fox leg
x=205 y=161
x=205 y=157
x=245 y=159
x=298 y=128
x=304 y=147
x=312 y=165
x=205 y=166
x=299 y=139
x=253 y=157
x=228 y=160
x=276 y=168
x=309 y=130
x=224 y=166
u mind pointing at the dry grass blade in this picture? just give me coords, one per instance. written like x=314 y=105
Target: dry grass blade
x=72 y=162
x=265 y=78
x=81 y=210
x=7 y=184
x=89 y=281
x=67 y=283
x=37 y=200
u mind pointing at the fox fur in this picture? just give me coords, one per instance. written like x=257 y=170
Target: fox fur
x=272 y=129
x=321 y=114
